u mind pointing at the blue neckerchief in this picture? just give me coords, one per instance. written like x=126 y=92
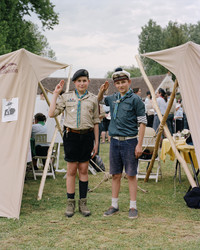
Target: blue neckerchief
x=120 y=99
x=79 y=107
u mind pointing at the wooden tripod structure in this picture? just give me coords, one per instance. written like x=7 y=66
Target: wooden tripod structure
x=164 y=126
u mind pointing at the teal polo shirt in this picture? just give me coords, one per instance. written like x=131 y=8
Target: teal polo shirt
x=130 y=111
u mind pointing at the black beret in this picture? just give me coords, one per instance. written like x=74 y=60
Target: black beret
x=79 y=73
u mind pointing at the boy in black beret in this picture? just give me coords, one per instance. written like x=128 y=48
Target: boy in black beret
x=81 y=130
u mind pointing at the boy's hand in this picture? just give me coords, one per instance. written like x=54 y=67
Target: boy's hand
x=138 y=151
x=104 y=86
x=59 y=87
x=94 y=151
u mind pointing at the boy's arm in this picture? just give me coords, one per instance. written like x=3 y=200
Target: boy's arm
x=96 y=140
x=56 y=93
x=138 y=148
x=102 y=90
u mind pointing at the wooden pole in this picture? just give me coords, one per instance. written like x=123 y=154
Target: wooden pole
x=162 y=123
x=41 y=188
x=168 y=134
x=48 y=102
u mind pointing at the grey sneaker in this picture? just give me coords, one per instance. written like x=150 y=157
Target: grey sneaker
x=111 y=211
x=133 y=213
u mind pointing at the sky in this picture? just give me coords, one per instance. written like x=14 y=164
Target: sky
x=100 y=35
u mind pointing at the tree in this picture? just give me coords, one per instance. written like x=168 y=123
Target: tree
x=154 y=38
x=16 y=32
x=151 y=39
x=174 y=35
x=134 y=72
x=194 y=32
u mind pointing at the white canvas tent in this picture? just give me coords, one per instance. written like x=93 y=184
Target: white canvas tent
x=184 y=62
x=20 y=72
x=167 y=83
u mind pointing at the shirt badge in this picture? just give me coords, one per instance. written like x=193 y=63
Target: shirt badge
x=71 y=100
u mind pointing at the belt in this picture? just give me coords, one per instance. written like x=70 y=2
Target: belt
x=124 y=138
x=81 y=131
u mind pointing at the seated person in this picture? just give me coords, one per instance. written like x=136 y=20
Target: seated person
x=39 y=127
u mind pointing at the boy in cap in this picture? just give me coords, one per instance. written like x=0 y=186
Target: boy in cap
x=81 y=129
x=127 y=110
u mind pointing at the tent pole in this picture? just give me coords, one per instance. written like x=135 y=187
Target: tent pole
x=180 y=159
x=48 y=102
x=41 y=188
x=162 y=123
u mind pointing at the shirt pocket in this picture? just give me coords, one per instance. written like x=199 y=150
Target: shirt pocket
x=88 y=107
x=71 y=107
x=127 y=109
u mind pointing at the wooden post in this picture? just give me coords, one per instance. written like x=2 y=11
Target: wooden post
x=41 y=188
x=162 y=123
x=48 y=102
x=168 y=134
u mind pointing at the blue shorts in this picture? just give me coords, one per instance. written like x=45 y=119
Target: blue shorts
x=122 y=154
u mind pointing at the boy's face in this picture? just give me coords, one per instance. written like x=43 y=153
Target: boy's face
x=81 y=84
x=123 y=86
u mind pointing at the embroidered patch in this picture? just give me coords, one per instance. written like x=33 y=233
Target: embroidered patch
x=71 y=100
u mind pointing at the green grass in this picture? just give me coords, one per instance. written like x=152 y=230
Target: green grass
x=164 y=222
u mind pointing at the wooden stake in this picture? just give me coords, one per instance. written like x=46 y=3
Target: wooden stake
x=41 y=188
x=161 y=128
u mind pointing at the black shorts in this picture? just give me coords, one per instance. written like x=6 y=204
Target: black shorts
x=106 y=123
x=78 y=147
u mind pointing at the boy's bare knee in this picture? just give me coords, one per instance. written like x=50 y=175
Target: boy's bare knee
x=116 y=176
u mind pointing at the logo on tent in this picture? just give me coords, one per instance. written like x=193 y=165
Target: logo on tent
x=9 y=68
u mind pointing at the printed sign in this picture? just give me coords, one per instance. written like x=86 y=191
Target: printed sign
x=9 y=110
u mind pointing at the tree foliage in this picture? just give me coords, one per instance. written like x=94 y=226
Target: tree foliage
x=16 y=32
x=154 y=38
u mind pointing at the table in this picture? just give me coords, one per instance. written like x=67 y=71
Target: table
x=186 y=151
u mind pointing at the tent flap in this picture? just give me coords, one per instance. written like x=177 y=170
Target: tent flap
x=20 y=72
x=184 y=62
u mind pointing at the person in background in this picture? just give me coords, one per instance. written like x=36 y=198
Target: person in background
x=149 y=110
x=178 y=117
x=81 y=135
x=39 y=127
x=170 y=118
x=127 y=111
x=106 y=122
x=137 y=91
x=162 y=104
x=102 y=115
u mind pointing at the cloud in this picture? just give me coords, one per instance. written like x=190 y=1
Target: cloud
x=101 y=35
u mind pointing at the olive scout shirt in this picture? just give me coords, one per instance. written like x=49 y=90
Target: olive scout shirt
x=130 y=112
x=89 y=110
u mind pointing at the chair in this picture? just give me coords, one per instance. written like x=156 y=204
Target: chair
x=149 y=144
x=42 y=139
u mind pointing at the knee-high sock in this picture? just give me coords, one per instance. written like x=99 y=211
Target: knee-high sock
x=83 y=188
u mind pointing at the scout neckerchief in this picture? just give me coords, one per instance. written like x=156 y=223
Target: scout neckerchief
x=79 y=107
x=120 y=99
x=42 y=123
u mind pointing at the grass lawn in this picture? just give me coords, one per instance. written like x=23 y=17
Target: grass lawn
x=164 y=222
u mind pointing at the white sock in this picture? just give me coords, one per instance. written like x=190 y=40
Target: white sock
x=133 y=204
x=115 y=202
